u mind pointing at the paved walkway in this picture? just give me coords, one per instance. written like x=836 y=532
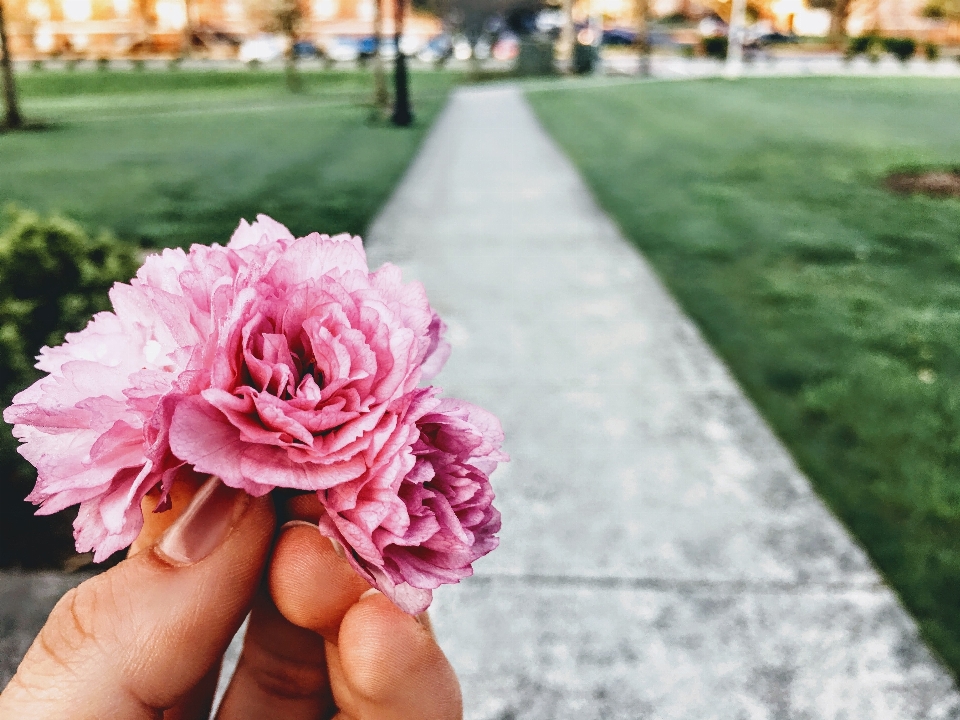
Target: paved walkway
x=662 y=557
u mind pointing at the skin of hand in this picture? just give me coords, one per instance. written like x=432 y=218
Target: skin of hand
x=145 y=639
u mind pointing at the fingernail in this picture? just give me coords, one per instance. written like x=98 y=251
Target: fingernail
x=205 y=523
x=337 y=547
x=298 y=523
x=370 y=592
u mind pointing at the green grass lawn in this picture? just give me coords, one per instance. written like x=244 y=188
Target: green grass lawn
x=836 y=304
x=173 y=158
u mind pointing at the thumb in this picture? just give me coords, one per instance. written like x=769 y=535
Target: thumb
x=136 y=639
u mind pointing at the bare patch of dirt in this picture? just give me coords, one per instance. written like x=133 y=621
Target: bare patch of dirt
x=936 y=183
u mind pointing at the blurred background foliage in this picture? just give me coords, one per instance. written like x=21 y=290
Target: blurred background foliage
x=53 y=278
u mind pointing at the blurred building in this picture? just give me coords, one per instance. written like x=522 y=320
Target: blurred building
x=213 y=28
x=891 y=17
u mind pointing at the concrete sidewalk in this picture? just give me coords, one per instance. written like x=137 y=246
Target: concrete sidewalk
x=661 y=557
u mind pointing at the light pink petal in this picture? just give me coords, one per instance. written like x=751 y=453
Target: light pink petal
x=202 y=436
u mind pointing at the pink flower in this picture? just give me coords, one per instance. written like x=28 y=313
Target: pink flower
x=272 y=362
x=419 y=518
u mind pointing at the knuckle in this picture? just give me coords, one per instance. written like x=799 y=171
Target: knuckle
x=61 y=651
x=288 y=679
x=70 y=626
x=71 y=631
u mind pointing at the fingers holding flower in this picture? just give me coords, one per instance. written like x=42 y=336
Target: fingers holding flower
x=419 y=518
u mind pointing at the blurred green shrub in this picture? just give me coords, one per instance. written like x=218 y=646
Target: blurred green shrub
x=53 y=278
x=715 y=47
x=932 y=51
x=584 y=58
x=536 y=57
x=901 y=48
x=871 y=45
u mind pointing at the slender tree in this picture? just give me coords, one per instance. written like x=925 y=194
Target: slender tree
x=147 y=18
x=839 y=14
x=943 y=10
x=567 y=36
x=736 y=30
x=381 y=98
x=642 y=10
x=402 y=114
x=14 y=119
x=189 y=27
x=287 y=15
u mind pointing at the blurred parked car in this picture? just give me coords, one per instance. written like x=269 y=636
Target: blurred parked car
x=437 y=49
x=343 y=48
x=209 y=41
x=388 y=48
x=550 y=20
x=776 y=38
x=625 y=36
x=366 y=47
x=481 y=49
x=507 y=47
x=262 y=48
x=619 y=36
x=305 y=49
x=461 y=48
x=411 y=44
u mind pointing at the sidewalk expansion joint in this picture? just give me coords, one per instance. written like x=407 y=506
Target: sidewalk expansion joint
x=732 y=587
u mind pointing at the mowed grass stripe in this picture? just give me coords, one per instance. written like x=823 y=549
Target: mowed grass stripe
x=188 y=174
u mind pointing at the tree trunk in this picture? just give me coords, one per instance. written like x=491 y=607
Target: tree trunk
x=736 y=30
x=567 y=36
x=188 y=29
x=381 y=98
x=289 y=24
x=838 y=23
x=643 y=35
x=402 y=114
x=14 y=119
x=290 y=68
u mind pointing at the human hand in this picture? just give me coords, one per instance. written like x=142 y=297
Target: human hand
x=145 y=639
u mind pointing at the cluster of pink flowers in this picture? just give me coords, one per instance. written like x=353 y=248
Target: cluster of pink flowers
x=273 y=362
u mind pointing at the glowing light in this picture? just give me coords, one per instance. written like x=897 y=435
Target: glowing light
x=234 y=10
x=38 y=10
x=77 y=10
x=325 y=9
x=171 y=15
x=43 y=40
x=366 y=10
x=121 y=8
